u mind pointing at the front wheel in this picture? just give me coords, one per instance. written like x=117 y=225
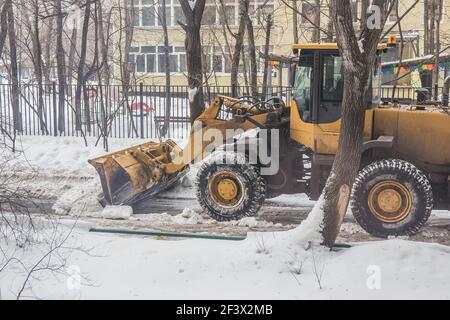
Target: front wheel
x=391 y=198
x=228 y=188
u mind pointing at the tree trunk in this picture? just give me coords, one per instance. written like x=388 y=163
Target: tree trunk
x=330 y=28
x=364 y=8
x=38 y=68
x=128 y=28
x=47 y=66
x=81 y=70
x=4 y=25
x=71 y=63
x=426 y=77
x=358 y=59
x=243 y=17
x=104 y=44
x=266 y=56
x=61 y=64
x=253 y=62
x=194 y=55
x=295 y=20
x=15 y=89
x=438 y=18
x=165 y=128
x=316 y=32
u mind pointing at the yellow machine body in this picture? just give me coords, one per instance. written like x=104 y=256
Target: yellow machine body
x=420 y=134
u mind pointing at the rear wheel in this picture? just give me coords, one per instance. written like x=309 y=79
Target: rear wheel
x=228 y=188
x=391 y=198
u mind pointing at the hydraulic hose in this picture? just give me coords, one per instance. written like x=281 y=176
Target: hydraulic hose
x=167 y=234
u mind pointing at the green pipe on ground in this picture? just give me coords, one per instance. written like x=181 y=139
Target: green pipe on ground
x=167 y=234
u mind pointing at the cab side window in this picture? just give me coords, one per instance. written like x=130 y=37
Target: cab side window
x=331 y=86
x=333 y=81
x=303 y=88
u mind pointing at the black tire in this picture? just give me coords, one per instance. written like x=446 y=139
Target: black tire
x=404 y=174
x=253 y=186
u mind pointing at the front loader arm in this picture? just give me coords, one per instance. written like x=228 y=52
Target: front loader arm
x=202 y=138
x=139 y=172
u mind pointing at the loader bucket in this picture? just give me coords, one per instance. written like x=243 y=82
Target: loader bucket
x=137 y=173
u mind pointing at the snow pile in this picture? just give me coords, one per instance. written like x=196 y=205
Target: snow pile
x=117 y=212
x=79 y=199
x=351 y=228
x=189 y=217
x=68 y=155
x=309 y=231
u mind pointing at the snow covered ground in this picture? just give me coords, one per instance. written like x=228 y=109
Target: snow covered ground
x=264 y=266
x=267 y=265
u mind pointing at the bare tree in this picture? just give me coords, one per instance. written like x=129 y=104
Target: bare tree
x=60 y=63
x=269 y=24
x=252 y=54
x=38 y=64
x=14 y=70
x=163 y=20
x=81 y=76
x=4 y=24
x=358 y=56
x=438 y=4
x=295 y=20
x=72 y=52
x=126 y=33
x=243 y=22
x=193 y=46
x=316 y=30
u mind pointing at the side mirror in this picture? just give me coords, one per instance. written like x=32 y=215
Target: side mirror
x=293 y=71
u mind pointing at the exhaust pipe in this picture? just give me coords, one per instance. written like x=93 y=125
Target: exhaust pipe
x=445 y=94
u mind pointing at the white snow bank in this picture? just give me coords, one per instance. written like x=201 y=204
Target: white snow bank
x=117 y=212
x=68 y=155
x=308 y=232
x=144 y=268
x=79 y=198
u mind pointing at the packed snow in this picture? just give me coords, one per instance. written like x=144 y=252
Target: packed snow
x=117 y=212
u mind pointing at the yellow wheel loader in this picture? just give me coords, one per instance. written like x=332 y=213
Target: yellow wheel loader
x=405 y=170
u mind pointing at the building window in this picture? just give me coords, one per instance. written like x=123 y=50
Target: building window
x=215 y=60
x=209 y=15
x=151 y=59
x=309 y=11
x=228 y=12
x=147 y=13
x=261 y=9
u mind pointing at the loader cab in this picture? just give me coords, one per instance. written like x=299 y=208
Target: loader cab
x=317 y=81
x=319 y=86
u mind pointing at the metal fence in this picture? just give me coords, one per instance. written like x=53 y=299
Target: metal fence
x=138 y=112
x=403 y=94
x=94 y=110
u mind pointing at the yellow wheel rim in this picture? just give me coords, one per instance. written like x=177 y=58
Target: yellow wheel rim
x=390 y=201
x=226 y=189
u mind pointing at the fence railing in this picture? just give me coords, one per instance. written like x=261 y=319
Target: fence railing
x=138 y=112
x=95 y=110
x=403 y=94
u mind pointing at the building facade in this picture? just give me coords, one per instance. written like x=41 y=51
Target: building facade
x=221 y=17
